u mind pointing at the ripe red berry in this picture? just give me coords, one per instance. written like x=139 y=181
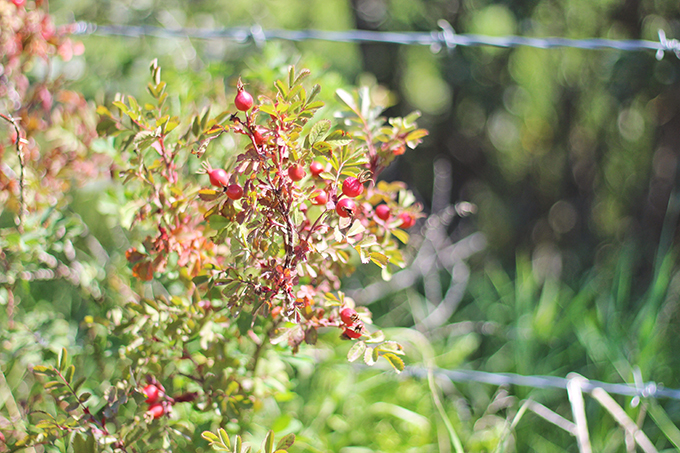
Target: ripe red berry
x=234 y=191
x=296 y=172
x=407 y=220
x=218 y=177
x=351 y=333
x=157 y=410
x=321 y=198
x=349 y=316
x=382 y=211
x=243 y=101
x=352 y=187
x=316 y=168
x=399 y=150
x=345 y=207
x=152 y=393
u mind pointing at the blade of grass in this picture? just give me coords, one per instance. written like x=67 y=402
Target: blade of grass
x=455 y=440
x=664 y=423
x=575 y=393
x=509 y=428
x=553 y=417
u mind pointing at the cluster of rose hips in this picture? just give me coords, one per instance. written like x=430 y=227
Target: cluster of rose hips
x=354 y=328
x=344 y=205
x=351 y=187
x=155 y=396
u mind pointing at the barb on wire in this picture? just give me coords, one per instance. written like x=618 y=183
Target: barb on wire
x=649 y=390
x=445 y=38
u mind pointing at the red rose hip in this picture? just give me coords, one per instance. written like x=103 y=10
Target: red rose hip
x=352 y=187
x=157 y=410
x=345 y=207
x=218 y=177
x=234 y=191
x=152 y=393
x=407 y=220
x=296 y=172
x=382 y=212
x=243 y=100
x=316 y=168
x=351 y=333
x=320 y=199
x=349 y=316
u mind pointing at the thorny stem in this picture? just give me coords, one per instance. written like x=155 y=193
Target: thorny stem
x=86 y=410
x=22 y=164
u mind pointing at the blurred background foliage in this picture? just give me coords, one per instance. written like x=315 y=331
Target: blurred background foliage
x=571 y=157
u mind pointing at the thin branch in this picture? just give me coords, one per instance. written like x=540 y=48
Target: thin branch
x=22 y=164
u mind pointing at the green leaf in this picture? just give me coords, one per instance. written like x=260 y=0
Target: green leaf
x=267 y=108
x=379 y=259
x=123 y=108
x=401 y=235
x=209 y=194
x=395 y=361
x=83 y=444
x=68 y=375
x=45 y=370
x=291 y=75
x=369 y=358
x=391 y=346
x=319 y=130
x=103 y=111
x=268 y=444
x=376 y=337
x=210 y=437
x=314 y=105
x=224 y=437
x=355 y=229
x=316 y=89
x=62 y=360
x=78 y=383
x=72 y=406
x=84 y=397
x=286 y=442
x=53 y=384
x=282 y=88
x=300 y=77
x=356 y=351
x=416 y=135
x=347 y=98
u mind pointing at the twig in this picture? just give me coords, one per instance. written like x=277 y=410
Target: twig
x=22 y=178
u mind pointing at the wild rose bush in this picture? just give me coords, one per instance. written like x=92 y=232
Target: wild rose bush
x=242 y=224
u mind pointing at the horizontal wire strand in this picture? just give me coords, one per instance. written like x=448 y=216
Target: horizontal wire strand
x=446 y=38
x=647 y=390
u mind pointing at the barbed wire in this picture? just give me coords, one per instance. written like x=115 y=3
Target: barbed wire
x=641 y=390
x=445 y=38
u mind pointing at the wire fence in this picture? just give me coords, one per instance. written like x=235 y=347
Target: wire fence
x=641 y=390
x=446 y=38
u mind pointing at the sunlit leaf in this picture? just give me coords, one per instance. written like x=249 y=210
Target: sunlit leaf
x=395 y=361
x=356 y=351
